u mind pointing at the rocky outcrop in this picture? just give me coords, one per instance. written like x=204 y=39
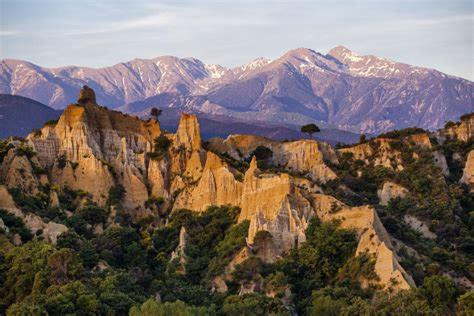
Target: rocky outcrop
x=440 y=161
x=274 y=204
x=372 y=236
x=187 y=153
x=464 y=130
x=302 y=156
x=468 y=172
x=92 y=149
x=16 y=171
x=218 y=282
x=50 y=231
x=390 y=191
x=179 y=253
x=378 y=151
x=217 y=186
x=421 y=139
x=419 y=226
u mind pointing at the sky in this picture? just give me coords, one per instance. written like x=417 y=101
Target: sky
x=431 y=33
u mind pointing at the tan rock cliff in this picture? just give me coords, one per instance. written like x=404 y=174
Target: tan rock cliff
x=390 y=191
x=468 y=172
x=373 y=238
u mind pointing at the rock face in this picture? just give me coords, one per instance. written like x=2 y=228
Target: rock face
x=463 y=130
x=93 y=149
x=50 y=230
x=373 y=238
x=303 y=156
x=179 y=253
x=17 y=172
x=273 y=203
x=217 y=186
x=419 y=226
x=379 y=151
x=390 y=191
x=468 y=173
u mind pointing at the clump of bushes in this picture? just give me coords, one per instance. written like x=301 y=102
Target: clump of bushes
x=25 y=150
x=161 y=145
x=402 y=132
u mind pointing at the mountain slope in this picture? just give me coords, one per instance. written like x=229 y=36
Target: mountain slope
x=19 y=115
x=341 y=89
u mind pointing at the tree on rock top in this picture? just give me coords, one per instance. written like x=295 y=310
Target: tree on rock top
x=310 y=129
x=154 y=112
x=86 y=95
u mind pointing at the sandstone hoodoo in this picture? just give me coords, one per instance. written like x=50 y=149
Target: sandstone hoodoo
x=212 y=214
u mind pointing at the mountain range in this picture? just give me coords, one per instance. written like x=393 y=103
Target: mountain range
x=340 y=89
x=20 y=115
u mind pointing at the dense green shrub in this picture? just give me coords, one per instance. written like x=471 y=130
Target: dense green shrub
x=15 y=225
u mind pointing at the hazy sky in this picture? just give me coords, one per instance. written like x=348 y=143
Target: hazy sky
x=432 y=33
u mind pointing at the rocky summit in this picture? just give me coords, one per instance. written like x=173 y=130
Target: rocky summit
x=102 y=197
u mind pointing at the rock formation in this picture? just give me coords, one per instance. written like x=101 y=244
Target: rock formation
x=302 y=156
x=464 y=130
x=50 y=231
x=379 y=151
x=372 y=236
x=94 y=149
x=390 y=191
x=468 y=173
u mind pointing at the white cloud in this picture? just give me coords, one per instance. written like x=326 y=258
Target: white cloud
x=168 y=16
x=9 y=33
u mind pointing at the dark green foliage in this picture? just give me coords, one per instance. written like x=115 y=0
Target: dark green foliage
x=93 y=214
x=233 y=242
x=24 y=150
x=61 y=162
x=120 y=247
x=51 y=122
x=37 y=170
x=15 y=225
x=449 y=124
x=69 y=199
x=29 y=203
x=204 y=232
x=262 y=153
x=152 y=307
x=402 y=133
x=116 y=194
x=5 y=146
x=253 y=304
x=361 y=266
x=155 y=113
x=440 y=292
x=161 y=145
x=318 y=260
x=310 y=129
x=156 y=203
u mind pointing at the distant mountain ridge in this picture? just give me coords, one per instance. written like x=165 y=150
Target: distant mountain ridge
x=20 y=115
x=341 y=89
